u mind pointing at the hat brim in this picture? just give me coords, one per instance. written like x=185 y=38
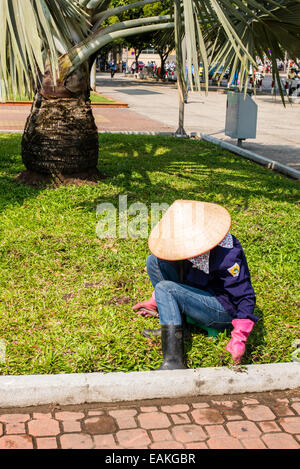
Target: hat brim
x=188 y=229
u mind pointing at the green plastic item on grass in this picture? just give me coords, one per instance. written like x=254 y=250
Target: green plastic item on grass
x=210 y=331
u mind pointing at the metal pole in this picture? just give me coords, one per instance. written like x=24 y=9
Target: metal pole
x=180 y=132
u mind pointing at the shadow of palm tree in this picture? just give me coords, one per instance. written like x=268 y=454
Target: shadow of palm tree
x=155 y=168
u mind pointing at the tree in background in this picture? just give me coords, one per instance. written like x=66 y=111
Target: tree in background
x=163 y=43
x=50 y=46
x=149 y=40
x=138 y=44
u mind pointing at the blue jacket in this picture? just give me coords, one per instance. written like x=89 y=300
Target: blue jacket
x=228 y=280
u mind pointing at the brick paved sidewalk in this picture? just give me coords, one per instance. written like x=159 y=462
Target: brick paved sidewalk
x=13 y=118
x=255 y=421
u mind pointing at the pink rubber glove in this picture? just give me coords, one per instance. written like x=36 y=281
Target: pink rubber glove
x=237 y=344
x=147 y=308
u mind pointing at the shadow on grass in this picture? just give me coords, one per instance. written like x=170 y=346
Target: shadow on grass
x=160 y=169
x=185 y=169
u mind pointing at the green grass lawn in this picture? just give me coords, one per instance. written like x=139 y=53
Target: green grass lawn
x=20 y=97
x=95 y=98
x=66 y=296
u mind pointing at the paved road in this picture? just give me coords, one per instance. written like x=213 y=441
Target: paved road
x=278 y=127
x=252 y=421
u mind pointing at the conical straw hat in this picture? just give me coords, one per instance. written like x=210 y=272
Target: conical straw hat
x=189 y=228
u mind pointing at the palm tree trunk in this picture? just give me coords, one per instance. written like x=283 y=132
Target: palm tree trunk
x=60 y=134
x=180 y=132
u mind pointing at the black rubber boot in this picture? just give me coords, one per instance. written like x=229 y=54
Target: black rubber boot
x=172 y=347
x=150 y=333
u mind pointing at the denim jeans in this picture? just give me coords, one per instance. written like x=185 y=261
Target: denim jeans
x=174 y=298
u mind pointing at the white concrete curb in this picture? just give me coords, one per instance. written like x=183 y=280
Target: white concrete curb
x=63 y=389
x=250 y=155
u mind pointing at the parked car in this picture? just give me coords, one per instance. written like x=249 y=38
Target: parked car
x=141 y=65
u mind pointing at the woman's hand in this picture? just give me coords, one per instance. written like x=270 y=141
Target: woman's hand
x=237 y=344
x=147 y=308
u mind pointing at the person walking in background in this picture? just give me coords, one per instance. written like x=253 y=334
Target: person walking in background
x=113 y=68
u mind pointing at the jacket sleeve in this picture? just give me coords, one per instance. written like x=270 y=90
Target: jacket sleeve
x=237 y=285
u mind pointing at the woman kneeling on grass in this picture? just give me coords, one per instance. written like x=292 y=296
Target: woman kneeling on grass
x=198 y=270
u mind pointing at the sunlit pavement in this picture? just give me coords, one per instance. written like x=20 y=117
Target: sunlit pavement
x=277 y=126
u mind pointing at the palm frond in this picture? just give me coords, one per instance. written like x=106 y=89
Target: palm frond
x=80 y=53
x=227 y=33
x=29 y=30
x=278 y=32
